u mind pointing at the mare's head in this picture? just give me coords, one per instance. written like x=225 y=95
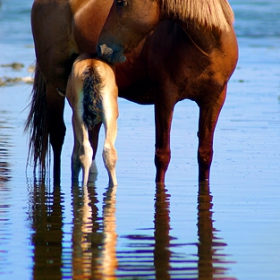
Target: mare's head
x=129 y=21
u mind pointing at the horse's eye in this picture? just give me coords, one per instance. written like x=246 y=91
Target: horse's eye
x=121 y=3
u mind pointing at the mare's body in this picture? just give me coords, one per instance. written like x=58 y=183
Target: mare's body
x=187 y=49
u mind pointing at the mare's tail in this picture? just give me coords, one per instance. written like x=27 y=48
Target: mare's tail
x=92 y=100
x=37 y=124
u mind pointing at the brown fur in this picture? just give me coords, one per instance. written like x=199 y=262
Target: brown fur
x=175 y=50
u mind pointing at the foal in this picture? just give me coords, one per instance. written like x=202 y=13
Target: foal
x=92 y=94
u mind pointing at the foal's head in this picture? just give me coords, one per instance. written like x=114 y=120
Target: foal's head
x=129 y=21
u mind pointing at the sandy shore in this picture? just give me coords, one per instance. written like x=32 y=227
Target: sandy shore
x=12 y=80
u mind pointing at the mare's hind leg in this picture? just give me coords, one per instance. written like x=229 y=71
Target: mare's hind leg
x=56 y=127
x=208 y=117
x=163 y=117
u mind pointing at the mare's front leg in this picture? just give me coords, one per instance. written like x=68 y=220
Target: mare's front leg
x=56 y=127
x=164 y=107
x=208 y=117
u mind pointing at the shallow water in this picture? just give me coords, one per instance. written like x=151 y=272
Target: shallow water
x=139 y=230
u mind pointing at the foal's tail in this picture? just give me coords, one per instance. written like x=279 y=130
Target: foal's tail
x=37 y=123
x=92 y=99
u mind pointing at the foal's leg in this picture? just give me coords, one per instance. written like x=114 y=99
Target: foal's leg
x=93 y=137
x=82 y=152
x=208 y=117
x=110 y=115
x=163 y=118
x=56 y=127
x=75 y=158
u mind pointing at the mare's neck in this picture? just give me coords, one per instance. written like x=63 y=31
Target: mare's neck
x=205 y=38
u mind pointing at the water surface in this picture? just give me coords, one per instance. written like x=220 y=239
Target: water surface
x=228 y=230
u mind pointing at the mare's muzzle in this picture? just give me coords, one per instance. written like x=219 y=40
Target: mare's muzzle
x=112 y=55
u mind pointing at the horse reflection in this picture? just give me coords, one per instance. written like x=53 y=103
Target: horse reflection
x=4 y=152
x=91 y=253
x=87 y=233
x=208 y=244
x=46 y=214
x=94 y=246
x=109 y=260
x=162 y=253
x=165 y=263
x=210 y=260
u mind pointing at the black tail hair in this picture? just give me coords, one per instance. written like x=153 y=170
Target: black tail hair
x=36 y=122
x=92 y=100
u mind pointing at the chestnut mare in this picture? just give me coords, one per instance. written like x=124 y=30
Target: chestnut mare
x=92 y=94
x=174 y=50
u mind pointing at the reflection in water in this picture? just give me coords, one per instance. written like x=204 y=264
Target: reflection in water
x=94 y=246
x=92 y=252
x=87 y=233
x=5 y=191
x=210 y=260
x=109 y=259
x=162 y=253
x=4 y=153
x=46 y=216
x=156 y=257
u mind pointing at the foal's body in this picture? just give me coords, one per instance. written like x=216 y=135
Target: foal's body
x=92 y=94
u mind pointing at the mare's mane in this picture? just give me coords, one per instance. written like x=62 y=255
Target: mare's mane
x=209 y=13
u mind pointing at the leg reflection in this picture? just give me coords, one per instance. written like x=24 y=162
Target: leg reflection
x=210 y=259
x=46 y=217
x=162 y=253
x=87 y=237
x=109 y=260
x=94 y=244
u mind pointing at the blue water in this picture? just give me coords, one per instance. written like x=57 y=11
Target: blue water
x=141 y=232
